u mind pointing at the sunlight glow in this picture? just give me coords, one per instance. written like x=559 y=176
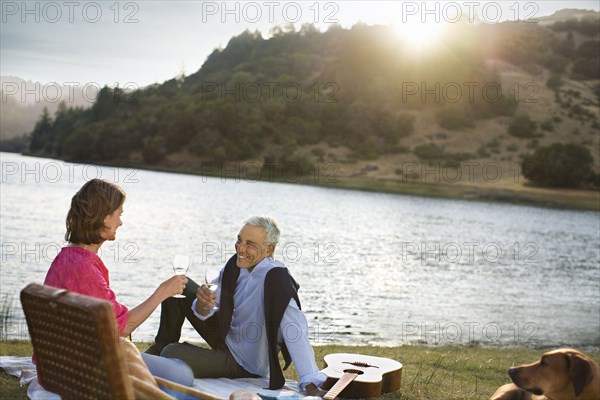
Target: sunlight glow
x=420 y=36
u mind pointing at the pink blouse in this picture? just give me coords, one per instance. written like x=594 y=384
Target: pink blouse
x=83 y=272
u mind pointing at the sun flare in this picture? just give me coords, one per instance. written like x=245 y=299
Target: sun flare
x=419 y=35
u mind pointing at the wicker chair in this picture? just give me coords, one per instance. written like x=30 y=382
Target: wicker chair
x=76 y=346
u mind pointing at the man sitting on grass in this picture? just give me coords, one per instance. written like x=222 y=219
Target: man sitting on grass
x=258 y=315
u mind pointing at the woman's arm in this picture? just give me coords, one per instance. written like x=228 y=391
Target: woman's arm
x=139 y=314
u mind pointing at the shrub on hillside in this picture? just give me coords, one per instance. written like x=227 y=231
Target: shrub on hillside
x=554 y=82
x=559 y=165
x=589 y=49
x=432 y=152
x=454 y=118
x=154 y=149
x=547 y=125
x=556 y=63
x=586 y=68
x=429 y=151
x=522 y=127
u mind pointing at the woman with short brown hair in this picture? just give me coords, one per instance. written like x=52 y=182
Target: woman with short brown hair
x=94 y=217
x=89 y=207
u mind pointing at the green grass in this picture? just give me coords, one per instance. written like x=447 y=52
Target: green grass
x=5 y=314
x=436 y=373
x=9 y=385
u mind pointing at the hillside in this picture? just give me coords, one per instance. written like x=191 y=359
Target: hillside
x=358 y=104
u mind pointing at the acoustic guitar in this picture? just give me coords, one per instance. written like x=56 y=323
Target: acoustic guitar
x=356 y=376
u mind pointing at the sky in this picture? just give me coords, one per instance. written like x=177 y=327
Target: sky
x=136 y=43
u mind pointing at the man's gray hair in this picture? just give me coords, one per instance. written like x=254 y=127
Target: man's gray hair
x=270 y=226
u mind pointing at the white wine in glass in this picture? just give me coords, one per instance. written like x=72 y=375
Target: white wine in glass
x=212 y=286
x=181 y=264
x=211 y=275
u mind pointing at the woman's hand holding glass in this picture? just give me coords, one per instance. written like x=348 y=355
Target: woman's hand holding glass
x=173 y=286
x=181 y=264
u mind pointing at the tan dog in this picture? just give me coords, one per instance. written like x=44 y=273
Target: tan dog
x=563 y=374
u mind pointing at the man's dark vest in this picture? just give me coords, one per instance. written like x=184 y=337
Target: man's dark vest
x=280 y=288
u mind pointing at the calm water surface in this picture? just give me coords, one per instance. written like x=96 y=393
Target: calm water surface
x=373 y=268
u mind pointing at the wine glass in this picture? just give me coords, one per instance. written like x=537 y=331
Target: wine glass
x=211 y=280
x=181 y=264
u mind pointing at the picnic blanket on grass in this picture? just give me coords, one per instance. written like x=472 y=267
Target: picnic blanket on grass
x=24 y=369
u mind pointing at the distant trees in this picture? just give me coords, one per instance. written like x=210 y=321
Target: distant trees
x=589 y=25
x=586 y=68
x=17 y=144
x=589 y=49
x=269 y=99
x=587 y=63
x=566 y=47
x=535 y=47
x=567 y=165
x=41 y=134
x=94 y=134
x=154 y=149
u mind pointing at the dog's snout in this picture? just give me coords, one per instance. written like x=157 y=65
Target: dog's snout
x=515 y=376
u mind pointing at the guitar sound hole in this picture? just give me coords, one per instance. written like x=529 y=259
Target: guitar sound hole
x=361 y=364
x=353 y=371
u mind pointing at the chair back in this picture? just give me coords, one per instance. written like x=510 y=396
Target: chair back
x=75 y=344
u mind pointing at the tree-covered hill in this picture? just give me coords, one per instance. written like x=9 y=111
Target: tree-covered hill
x=364 y=90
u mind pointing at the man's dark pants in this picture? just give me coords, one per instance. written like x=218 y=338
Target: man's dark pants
x=216 y=362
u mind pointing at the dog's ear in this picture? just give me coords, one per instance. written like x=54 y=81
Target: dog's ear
x=580 y=372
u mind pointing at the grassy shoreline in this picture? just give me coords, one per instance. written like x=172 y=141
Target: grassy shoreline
x=588 y=200
x=429 y=372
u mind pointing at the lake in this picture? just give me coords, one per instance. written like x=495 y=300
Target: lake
x=374 y=268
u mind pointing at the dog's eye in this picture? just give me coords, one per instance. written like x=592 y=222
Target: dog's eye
x=543 y=362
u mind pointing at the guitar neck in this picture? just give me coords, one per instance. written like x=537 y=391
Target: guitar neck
x=340 y=385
